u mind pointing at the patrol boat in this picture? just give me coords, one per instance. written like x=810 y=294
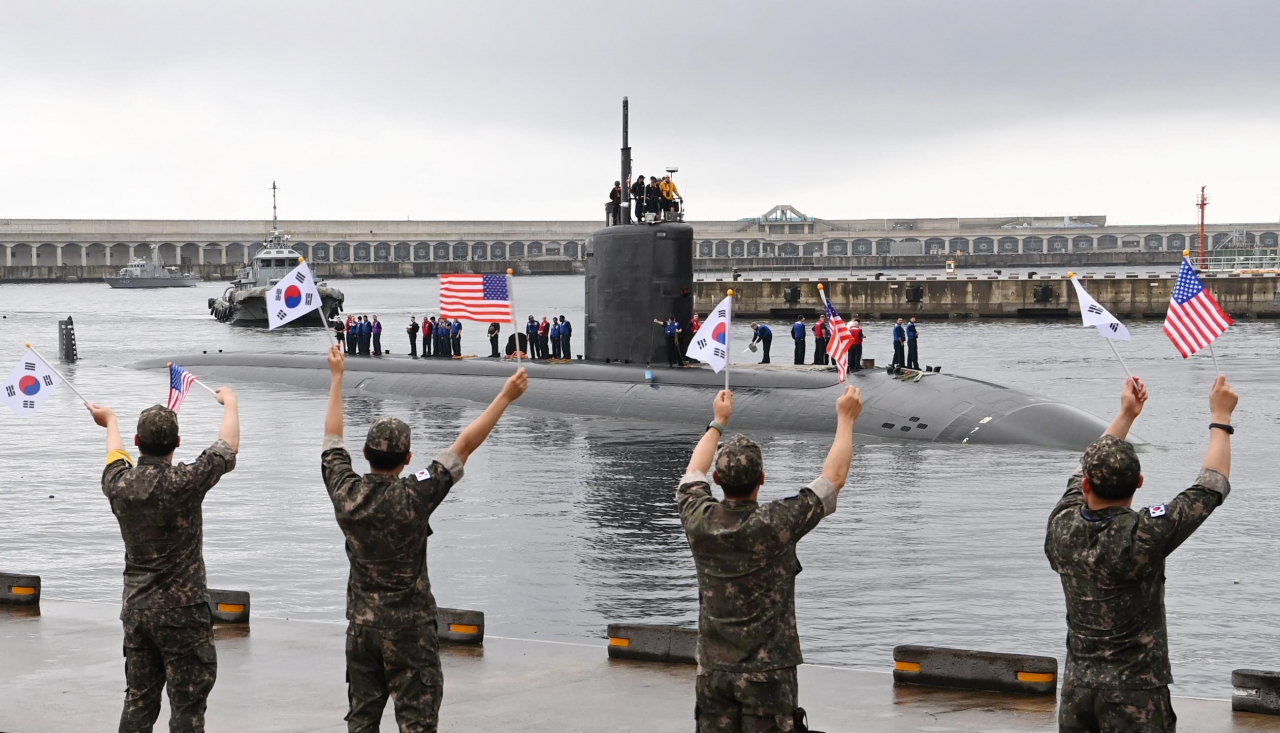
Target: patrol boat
x=636 y=271
x=140 y=273
x=245 y=299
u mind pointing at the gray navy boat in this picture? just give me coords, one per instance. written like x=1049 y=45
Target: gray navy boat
x=141 y=273
x=634 y=273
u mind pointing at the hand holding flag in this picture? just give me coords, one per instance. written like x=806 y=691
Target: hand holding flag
x=180 y=381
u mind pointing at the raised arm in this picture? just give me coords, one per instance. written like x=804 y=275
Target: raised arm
x=705 y=452
x=836 y=468
x=333 y=415
x=1132 y=399
x=230 y=431
x=1222 y=403
x=479 y=429
x=106 y=417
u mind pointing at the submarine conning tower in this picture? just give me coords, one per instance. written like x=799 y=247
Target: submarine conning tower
x=636 y=273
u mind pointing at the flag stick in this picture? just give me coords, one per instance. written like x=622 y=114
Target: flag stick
x=65 y=381
x=727 y=358
x=511 y=298
x=212 y=391
x=1215 y=359
x=1116 y=351
x=324 y=321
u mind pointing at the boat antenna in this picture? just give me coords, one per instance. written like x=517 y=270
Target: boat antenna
x=274 y=226
x=625 y=197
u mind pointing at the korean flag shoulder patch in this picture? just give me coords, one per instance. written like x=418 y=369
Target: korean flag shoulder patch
x=424 y=474
x=1157 y=511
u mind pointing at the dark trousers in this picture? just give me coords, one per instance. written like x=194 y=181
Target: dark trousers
x=673 y=352
x=377 y=344
x=819 y=351
x=352 y=338
x=765 y=343
x=898 y=360
x=913 y=354
x=761 y=702
x=173 y=648
x=1090 y=710
x=799 y=351
x=457 y=346
x=403 y=664
x=413 y=345
x=493 y=346
x=566 y=351
x=542 y=347
x=855 y=357
x=555 y=346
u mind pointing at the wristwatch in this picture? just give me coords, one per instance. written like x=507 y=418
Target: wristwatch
x=717 y=426
x=1223 y=427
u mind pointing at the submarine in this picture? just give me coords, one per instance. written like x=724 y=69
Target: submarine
x=634 y=273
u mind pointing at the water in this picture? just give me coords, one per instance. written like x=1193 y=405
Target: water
x=565 y=523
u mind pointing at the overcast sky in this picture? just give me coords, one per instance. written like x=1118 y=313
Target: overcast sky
x=511 y=110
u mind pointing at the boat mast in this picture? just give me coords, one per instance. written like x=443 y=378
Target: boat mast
x=1201 y=204
x=274 y=225
x=624 y=198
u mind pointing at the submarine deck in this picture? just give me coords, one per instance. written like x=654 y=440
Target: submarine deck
x=63 y=671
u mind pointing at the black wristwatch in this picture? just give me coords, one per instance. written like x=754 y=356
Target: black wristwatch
x=1223 y=427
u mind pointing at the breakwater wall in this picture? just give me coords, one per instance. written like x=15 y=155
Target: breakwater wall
x=1075 y=260
x=1044 y=296
x=330 y=270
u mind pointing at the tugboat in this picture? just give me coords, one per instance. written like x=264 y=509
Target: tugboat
x=245 y=300
x=140 y=273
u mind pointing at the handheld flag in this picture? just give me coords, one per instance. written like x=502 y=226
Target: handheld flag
x=476 y=297
x=711 y=343
x=1194 y=319
x=841 y=338
x=293 y=297
x=180 y=381
x=1095 y=315
x=30 y=384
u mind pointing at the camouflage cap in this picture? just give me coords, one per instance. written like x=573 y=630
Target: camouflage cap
x=389 y=435
x=158 y=426
x=738 y=462
x=1111 y=463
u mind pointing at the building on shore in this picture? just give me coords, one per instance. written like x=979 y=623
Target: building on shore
x=781 y=233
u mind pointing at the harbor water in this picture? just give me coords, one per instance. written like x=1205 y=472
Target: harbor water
x=564 y=523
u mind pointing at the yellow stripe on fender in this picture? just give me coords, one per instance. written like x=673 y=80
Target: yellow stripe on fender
x=906 y=666
x=231 y=608
x=1035 y=677
x=464 y=629
x=616 y=641
x=22 y=590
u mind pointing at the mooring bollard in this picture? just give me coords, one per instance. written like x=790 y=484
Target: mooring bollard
x=653 y=643
x=971 y=670
x=458 y=626
x=229 y=606
x=1255 y=691
x=19 y=590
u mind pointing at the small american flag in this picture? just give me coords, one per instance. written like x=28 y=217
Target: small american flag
x=180 y=381
x=476 y=297
x=840 y=340
x=1194 y=319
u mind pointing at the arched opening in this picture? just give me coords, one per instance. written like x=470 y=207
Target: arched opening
x=1218 y=239
x=1131 y=241
x=1032 y=244
x=440 y=251
x=47 y=255
x=320 y=252
x=96 y=255
x=1175 y=243
x=253 y=249
x=460 y=251
x=1081 y=243
x=753 y=248
x=884 y=246
x=363 y=252
x=706 y=249
x=1057 y=244
x=1008 y=245
x=22 y=255
x=516 y=250
x=342 y=252
x=479 y=251
x=382 y=252
x=302 y=248
x=572 y=250
x=553 y=249
x=863 y=247
x=235 y=253
x=722 y=248
x=1153 y=242
x=1108 y=241
x=1269 y=239
x=837 y=248
x=958 y=244
x=769 y=249
x=935 y=246
x=403 y=251
x=813 y=249
x=789 y=249
x=169 y=254
x=535 y=249
x=421 y=251
x=498 y=251
x=190 y=254
x=737 y=248
x=984 y=246
x=118 y=255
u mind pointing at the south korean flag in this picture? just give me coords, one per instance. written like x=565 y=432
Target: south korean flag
x=30 y=385
x=1095 y=315
x=711 y=343
x=294 y=296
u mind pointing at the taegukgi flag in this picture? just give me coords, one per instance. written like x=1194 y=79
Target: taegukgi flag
x=1095 y=315
x=711 y=343
x=294 y=296
x=29 y=385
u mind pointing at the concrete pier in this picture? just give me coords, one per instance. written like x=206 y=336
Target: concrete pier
x=63 y=673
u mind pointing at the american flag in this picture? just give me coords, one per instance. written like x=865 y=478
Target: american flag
x=180 y=381
x=840 y=339
x=1195 y=319
x=476 y=297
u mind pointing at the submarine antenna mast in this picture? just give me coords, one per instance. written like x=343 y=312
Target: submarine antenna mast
x=625 y=194
x=1201 y=204
x=274 y=226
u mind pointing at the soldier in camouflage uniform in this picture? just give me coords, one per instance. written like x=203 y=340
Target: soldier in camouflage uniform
x=1111 y=561
x=168 y=632
x=745 y=553
x=392 y=646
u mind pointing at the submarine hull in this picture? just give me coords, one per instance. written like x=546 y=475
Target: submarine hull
x=940 y=408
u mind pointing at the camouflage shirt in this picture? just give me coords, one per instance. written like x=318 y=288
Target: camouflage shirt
x=158 y=507
x=1111 y=562
x=745 y=553
x=384 y=519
